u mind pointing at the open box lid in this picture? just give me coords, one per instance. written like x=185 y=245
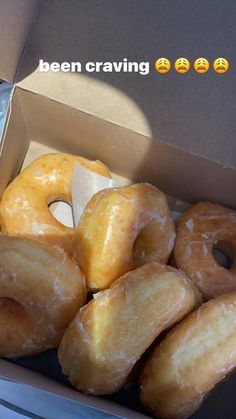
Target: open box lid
x=16 y=17
x=193 y=112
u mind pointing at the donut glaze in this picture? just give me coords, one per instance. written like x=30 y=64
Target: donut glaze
x=122 y=229
x=191 y=360
x=24 y=205
x=41 y=290
x=200 y=229
x=108 y=335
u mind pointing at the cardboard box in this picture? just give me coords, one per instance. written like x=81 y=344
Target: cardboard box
x=86 y=116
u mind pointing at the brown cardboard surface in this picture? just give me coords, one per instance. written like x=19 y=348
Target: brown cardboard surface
x=16 y=17
x=193 y=112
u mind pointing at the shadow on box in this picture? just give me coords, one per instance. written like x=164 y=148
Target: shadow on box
x=195 y=112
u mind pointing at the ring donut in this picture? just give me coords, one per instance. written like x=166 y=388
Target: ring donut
x=109 y=334
x=191 y=360
x=24 y=206
x=41 y=290
x=202 y=228
x=122 y=229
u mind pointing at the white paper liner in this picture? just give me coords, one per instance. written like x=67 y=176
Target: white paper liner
x=84 y=185
x=63 y=213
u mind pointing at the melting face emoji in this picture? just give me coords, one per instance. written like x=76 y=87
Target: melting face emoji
x=221 y=65
x=162 y=65
x=182 y=65
x=201 y=65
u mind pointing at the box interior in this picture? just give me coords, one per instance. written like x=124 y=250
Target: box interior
x=141 y=143
x=174 y=110
x=37 y=125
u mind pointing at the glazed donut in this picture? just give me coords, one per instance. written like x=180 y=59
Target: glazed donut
x=41 y=290
x=121 y=229
x=109 y=334
x=200 y=229
x=24 y=206
x=191 y=360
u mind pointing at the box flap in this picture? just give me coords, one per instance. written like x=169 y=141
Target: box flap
x=12 y=150
x=195 y=112
x=16 y=17
x=35 y=380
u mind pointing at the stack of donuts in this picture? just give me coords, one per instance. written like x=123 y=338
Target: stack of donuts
x=104 y=291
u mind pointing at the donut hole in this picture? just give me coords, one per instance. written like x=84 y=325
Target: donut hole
x=223 y=254
x=11 y=310
x=62 y=211
x=145 y=245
